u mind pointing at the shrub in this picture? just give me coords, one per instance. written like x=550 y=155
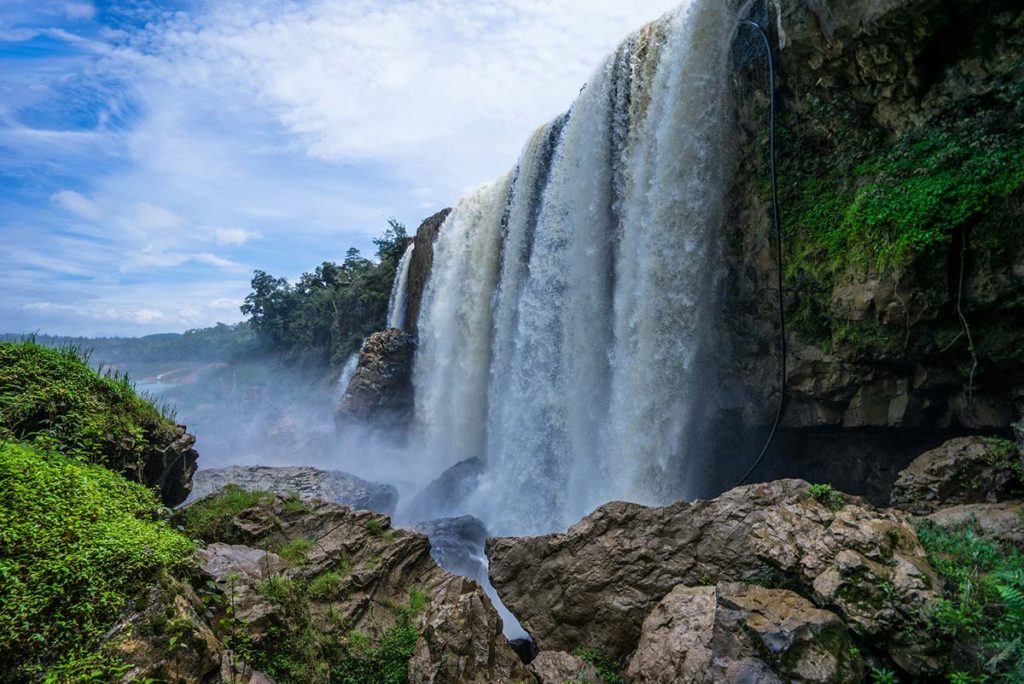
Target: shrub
x=76 y=542
x=209 y=518
x=826 y=496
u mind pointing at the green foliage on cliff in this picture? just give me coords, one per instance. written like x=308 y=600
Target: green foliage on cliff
x=858 y=202
x=76 y=541
x=53 y=398
x=210 y=517
x=326 y=314
x=982 y=611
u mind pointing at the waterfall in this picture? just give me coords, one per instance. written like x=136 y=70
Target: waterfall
x=565 y=326
x=398 y=304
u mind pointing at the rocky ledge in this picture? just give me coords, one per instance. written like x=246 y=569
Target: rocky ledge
x=301 y=481
x=287 y=590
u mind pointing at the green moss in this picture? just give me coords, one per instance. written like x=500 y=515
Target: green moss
x=76 y=541
x=327 y=586
x=210 y=517
x=826 y=496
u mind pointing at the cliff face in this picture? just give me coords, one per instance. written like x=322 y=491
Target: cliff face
x=901 y=173
x=901 y=180
x=419 y=267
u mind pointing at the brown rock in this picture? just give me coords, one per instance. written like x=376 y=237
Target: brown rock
x=558 y=667
x=595 y=585
x=963 y=470
x=999 y=520
x=381 y=388
x=421 y=264
x=734 y=631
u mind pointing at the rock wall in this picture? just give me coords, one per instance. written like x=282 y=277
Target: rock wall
x=380 y=392
x=419 y=267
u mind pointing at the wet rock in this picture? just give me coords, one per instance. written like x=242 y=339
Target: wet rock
x=1004 y=521
x=595 y=584
x=168 y=465
x=301 y=481
x=380 y=391
x=960 y=471
x=421 y=264
x=557 y=667
x=738 y=632
x=526 y=649
x=457 y=544
x=446 y=494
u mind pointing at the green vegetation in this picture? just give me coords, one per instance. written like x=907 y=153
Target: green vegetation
x=826 y=496
x=297 y=650
x=857 y=201
x=327 y=586
x=883 y=675
x=326 y=314
x=52 y=398
x=982 y=610
x=296 y=551
x=609 y=669
x=210 y=517
x=76 y=542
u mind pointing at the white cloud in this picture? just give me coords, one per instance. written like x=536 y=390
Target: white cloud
x=150 y=218
x=219 y=262
x=109 y=314
x=79 y=10
x=77 y=204
x=223 y=304
x=235 y=236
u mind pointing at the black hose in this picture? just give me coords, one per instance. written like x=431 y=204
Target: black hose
x=778 y=257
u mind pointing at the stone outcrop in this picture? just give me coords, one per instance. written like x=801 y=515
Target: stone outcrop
x=1003 y=521
x=298 y=579
x=445 y=496
x=966 y=470
x=380 y=392
x=421 y=264
x=558 y=667
x=737 y=632
x=596 y=584
x=304 y=482
x=170 y=466
x=457 y=544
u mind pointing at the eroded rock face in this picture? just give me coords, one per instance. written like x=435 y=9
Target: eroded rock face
x=446 y=494
x=167 y=464
x=457 y=544
x=301 y=481
x=738 y=632
x=421 y=265
x=966 y=470
x=348 y=568
x=595 y=585
x=381 y=392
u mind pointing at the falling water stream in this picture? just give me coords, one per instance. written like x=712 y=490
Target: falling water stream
x=564 y=327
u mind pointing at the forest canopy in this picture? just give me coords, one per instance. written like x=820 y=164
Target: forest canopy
x=326 y=314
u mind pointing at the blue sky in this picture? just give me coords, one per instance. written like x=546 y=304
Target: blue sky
x=152 y=154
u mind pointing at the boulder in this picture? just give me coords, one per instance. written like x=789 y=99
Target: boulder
x=961 y=471
x=457 y=544
x=445 y=495
x=558 y=667
x=304 y=482
x=595 y=585
x=1003 y=521
x=736 y=632
x=167 y=463
x=380 y=391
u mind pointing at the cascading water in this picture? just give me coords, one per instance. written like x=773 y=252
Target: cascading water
x=398 y=305
x=564 y=326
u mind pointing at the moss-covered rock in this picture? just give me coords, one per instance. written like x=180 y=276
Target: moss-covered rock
x=53 y=398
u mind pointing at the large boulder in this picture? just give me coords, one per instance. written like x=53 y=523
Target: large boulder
x=420 y=266
x=558 y=667
x=457 y=544
x=380 y=392
x=169 y=466
x=965 y=470
x=595 y=585
x=738 y=632
x=301 y=481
